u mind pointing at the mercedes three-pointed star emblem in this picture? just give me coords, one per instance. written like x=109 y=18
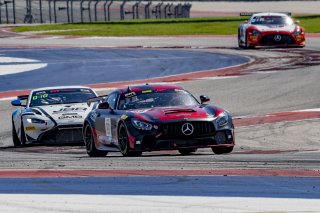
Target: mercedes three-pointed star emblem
x=187 y=129
x=277 y=37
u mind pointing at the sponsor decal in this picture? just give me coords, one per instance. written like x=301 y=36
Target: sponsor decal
x=93 y=115
x=124 y=117
x=70 y=109
x=30 y=128
x=39 y=96
x=147 y=91
x=107 y=123
x=70 y=117
x=130 y=94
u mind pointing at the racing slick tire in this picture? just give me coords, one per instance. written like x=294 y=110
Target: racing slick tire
x=124 y=143
x=222 y=150
x=15 y=139
x=187 y=151
x=23 y=136
x=246 y=45
x=239 y=41
x=90 y=145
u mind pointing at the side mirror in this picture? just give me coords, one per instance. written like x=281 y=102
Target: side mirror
x=16 y=102
x=104 y=105
x=204 y=99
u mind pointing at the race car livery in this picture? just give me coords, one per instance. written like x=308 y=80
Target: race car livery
x=270 y=29
x=51 y=115
x=143 y=118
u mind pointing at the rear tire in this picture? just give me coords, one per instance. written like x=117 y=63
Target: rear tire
x=90 y=144
x=15 y=139
x=187 y=151
x=222 y=150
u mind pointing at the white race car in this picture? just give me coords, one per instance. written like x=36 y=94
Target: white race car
x=51 y=115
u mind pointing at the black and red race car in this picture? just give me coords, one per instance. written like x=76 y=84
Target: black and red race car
x=270 y=29
x=143 y=118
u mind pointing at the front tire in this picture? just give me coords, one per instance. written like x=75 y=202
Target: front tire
x=90 y=144
x=222 y=149
x=15 y=139
x=23 y=135
x=123 y=141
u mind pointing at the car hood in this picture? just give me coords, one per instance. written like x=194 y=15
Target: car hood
x=287 y=28
x=174 y=113
x=63 y=114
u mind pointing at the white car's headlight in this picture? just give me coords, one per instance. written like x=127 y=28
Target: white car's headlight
x=141 y=124
x=35 y=121
x=222 y=119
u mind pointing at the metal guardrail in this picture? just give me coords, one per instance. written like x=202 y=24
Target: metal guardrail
x=81 y=11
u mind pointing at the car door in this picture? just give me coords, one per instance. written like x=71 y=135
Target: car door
x=106 y=121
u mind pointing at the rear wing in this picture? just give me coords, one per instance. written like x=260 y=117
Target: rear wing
x=23 y=97
x=252 y=13
x=96 y=99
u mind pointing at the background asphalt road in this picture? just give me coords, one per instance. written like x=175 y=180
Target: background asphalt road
x=68 y=67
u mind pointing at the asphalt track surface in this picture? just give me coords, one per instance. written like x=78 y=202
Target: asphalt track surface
x=67 y=67
x=274 y=167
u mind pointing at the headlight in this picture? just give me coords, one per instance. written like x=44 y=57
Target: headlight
x=222 y=119
x=141 y=124
x=35 y=121
x=296 y=33
x=255 y=32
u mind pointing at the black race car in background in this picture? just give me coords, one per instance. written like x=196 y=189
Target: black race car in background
x=143 y=118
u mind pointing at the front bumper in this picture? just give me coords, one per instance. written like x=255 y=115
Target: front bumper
x=170 y=137
x=62 y=134
x=151 y=143
x=276 y=39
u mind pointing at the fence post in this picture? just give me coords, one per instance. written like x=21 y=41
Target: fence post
x=147 y=10
x=89 y=10
x=0 y=12
x=81 y=10
x=68 y=12
x=95 y=10
x=28 y=18
x=71 y=8
x=40 y=11
x=14 y=11
x=122 y=9
x=55 y=11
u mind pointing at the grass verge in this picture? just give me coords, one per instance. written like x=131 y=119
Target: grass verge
x=192 y=26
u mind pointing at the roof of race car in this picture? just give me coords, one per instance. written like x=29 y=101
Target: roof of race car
x=269 y=14
x=60 y=87
x=143 y=87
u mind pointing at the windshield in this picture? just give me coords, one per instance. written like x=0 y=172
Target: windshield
x=61 y=96
x=271 y=20
x=150 y=98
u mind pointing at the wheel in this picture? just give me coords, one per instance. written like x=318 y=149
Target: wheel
x=222 y=150
x=239 y=41
x=187 y=151
x=90 y=145
x=124 y=143
x=15 y=138
x=23 y=135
